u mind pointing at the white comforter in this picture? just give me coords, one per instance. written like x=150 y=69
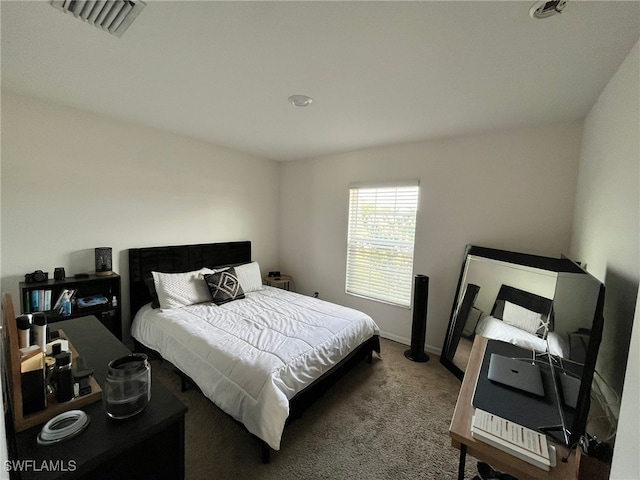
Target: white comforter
x=251 y=356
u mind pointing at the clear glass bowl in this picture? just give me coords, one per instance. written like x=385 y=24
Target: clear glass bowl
x=128 y=386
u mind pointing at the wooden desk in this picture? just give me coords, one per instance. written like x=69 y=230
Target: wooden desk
x=148 y=445
x=460 y=432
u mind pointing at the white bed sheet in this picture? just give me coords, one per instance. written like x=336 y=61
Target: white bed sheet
x=251 y=356
x=496 y=329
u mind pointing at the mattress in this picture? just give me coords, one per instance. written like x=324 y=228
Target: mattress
x=251 y=356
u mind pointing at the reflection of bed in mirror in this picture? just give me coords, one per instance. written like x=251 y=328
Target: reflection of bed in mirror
x=541 y=304
x=526 y=320
x=523 y=280
x=523 y=319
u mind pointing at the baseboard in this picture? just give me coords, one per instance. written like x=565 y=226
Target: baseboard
x=406 y=341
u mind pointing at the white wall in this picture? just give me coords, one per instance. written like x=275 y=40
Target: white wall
x=626 y=461
x=490 y=275
x=73 y=181
x=513 y=190
x=606 y=236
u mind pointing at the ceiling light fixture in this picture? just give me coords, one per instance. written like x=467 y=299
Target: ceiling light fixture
x=545 y=9
x=300 y=100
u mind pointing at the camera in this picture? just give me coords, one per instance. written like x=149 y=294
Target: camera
x=36 y=277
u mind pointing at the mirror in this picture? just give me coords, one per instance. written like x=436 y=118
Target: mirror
x=551 y=308
x=484 y=271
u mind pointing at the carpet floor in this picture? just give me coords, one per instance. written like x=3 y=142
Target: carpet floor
x=385 y=420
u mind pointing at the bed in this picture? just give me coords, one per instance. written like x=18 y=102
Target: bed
x=261 y=356
x=523 y=319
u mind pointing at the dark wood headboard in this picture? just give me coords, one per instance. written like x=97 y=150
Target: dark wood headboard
x=177 y=259
x=525 y=299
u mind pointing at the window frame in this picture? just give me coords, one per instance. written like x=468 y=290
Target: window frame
x=373 y=271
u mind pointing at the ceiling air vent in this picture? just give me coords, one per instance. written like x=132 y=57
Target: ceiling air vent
x=545 y=9
x=113 y=16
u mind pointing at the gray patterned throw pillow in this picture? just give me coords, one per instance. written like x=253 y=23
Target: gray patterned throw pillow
x=224 y=286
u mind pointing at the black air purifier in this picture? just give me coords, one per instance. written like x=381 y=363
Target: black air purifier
x=419 y=325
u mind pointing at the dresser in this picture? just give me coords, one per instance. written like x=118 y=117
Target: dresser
x=149 y=445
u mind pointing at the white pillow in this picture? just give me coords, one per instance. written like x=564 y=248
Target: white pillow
x=521 y=318
x=249 y=276
x=177 y=290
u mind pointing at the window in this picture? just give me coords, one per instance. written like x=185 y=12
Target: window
x=382 y=225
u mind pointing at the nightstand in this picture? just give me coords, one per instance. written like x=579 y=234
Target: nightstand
x=283 y=281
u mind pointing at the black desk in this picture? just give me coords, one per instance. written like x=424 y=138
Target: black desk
x=148 y=445
x=521 y=407
x=460 y=432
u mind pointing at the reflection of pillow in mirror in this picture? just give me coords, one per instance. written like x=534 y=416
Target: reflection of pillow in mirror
x=521 y=318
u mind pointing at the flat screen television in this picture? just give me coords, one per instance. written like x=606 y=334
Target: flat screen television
x=571 y=300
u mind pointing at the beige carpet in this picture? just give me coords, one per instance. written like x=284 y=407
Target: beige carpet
x=385 y=420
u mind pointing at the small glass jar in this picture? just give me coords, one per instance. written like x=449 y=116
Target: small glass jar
x=128 y=386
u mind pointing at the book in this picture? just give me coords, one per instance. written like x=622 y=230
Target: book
x=47 y=300
x=27 y=301
x=41 y=301
x=508 y=436
x=35 y=306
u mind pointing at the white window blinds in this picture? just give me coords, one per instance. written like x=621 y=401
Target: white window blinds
x=382 y=224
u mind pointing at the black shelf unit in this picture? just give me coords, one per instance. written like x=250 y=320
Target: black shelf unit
x=108 y=285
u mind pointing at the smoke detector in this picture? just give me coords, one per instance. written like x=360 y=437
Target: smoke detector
x=112 y=16
x=543 y=9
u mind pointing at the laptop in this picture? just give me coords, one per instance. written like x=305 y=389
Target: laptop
x=520 y=374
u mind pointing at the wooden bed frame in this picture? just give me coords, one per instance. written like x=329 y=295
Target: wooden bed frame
x=184 y=258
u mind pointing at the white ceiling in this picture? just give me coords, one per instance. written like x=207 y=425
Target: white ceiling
x=379 y=72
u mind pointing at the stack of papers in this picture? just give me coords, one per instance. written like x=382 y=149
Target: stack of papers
x=522 y=442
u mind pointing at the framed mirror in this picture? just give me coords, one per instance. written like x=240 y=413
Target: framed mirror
x=548 y=307
x=484 y=272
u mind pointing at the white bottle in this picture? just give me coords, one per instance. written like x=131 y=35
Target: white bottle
x=24 y=330
x=40 y=330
